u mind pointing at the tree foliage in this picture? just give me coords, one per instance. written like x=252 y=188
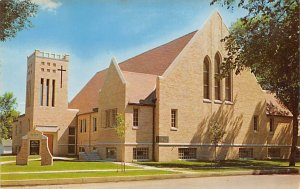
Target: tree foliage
x=8 y=113
x=216 y=132
x=266 y=41
x=14 y=17
x=120 y=130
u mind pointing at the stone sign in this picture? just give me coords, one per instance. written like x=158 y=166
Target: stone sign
x=34 y=143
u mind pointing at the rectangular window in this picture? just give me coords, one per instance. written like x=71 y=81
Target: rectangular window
x=94 y=124
x=84 y=125
x=173 y=118
x=110 y=117
x=114 y=117
x=217 y=89
x=187 y=153
x=255 y=123
x=53 y=93
x=273 y=152
x=107 y=118
x=42 y=92
x=81 y=149
x=111 y=153
x=245 y=152
x=271 y=125
x=135 y=117
x=81 y=126
x=141 y=153
x=228 y=88
x=47 y=92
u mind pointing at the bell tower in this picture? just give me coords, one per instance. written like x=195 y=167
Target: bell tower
x=46 y=87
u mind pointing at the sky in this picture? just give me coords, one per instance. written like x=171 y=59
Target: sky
x=94 y=31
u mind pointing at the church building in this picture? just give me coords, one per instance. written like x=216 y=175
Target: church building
x=170 y=97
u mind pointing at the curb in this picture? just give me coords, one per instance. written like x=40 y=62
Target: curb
x=7 y=183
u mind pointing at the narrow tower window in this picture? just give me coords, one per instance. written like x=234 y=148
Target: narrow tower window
x=47 y=92
x=41 y=91
x=53 y=93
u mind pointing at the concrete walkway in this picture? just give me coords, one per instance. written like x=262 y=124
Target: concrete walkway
x=66 y=171
x=146 y=167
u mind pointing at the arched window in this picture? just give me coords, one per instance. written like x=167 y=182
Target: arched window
x=206 y=78
x=228 y=87
x=217 y=77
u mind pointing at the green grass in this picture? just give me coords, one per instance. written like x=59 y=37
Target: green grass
x=82 y=175
x=226 y=165
x=59 y=165
x=13 y=158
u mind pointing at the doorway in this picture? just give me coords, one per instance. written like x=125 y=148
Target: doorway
x=50 y=142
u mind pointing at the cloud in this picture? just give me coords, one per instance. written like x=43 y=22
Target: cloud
x=49 y=5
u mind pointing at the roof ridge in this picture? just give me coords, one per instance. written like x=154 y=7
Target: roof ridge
x=157 y=47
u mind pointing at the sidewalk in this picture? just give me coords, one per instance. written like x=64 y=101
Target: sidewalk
x=178 y=174
x=6 y=183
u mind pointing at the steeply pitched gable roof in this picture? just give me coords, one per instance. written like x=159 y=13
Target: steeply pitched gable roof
x=154 y=61
x=275 y=107
x=139 y=85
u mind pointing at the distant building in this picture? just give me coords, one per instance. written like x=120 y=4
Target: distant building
x=170 y=95
x=6 y=147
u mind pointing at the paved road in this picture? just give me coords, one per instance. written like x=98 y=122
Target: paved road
x=232 y=182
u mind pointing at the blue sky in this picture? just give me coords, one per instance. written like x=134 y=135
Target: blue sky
x=94 y=31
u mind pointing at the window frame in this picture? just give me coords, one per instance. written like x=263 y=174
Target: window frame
x=144 y=156
x=255 y=123
x=174 y=119
x=206 y=77
x=135 y=118
x=111 y=118
x=218 y=81
x=270 y=153
x=271 y=125
x=94 y=119
x=244 y=153
x=111 y=148
x=228 y=87
x=183 y=153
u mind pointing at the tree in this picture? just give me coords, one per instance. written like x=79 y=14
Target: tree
x=216 y=134
x=8 y=114
x=14 y=17
x=266 y=42
x=120 y=130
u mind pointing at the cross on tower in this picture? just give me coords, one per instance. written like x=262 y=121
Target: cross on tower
x=61 y=74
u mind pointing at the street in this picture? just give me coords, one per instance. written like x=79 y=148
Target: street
x=232 y=182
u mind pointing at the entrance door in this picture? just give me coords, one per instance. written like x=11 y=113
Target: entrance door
x=50 y=142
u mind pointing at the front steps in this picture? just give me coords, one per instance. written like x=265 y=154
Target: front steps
x=89 y=156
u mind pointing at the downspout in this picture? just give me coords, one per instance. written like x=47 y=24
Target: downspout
x=90 y=132
x=153 y=134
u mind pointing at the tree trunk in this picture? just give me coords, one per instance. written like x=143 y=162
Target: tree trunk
x=124 y=157
x=292 y=160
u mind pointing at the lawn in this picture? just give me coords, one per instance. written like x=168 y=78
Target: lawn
x=223 y=165
x=35 y=166
x=13 y=158
x=82 y=174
